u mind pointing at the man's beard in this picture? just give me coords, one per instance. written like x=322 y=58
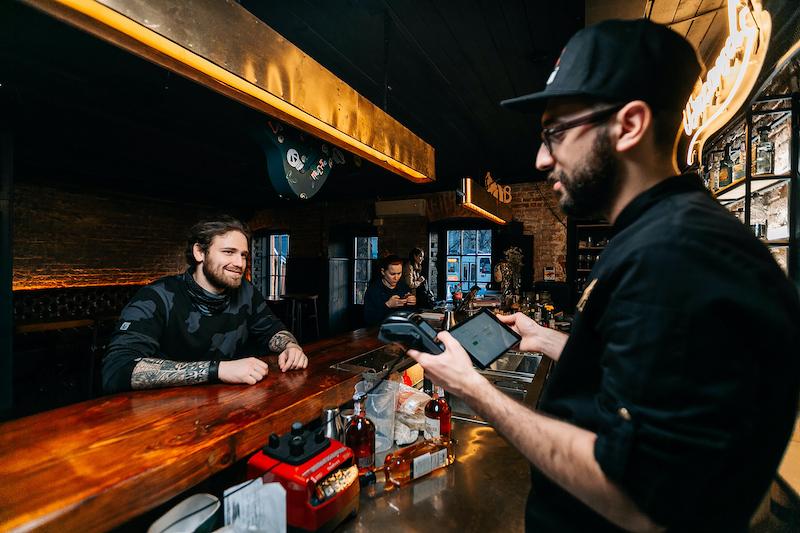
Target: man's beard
x=592 y=187
x=215 y=274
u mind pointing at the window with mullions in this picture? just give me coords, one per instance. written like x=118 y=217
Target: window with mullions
x=365 y=251
x=270 y=253
x=469 y=259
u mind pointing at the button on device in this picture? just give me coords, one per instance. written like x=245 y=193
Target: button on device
x=624 y=414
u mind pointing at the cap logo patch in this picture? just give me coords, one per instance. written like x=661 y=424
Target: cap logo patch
x=555 y=69
x=125 y=326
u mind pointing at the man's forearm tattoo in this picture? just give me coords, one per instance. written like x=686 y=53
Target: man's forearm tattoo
x=279 y=341
x=155 y=373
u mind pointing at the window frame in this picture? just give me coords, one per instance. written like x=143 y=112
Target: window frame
x=264 y=282
x=372 y=255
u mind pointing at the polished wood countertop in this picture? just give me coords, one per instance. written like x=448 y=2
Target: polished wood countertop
x=94 y=465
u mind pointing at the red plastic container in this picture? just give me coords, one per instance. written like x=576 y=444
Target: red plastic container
x=303 y=509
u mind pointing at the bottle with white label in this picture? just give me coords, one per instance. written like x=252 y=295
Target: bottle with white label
x=360 y=436
x=407 y=464
x=437 y=413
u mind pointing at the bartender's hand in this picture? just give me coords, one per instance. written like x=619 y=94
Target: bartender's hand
x=411 y=299
x=535 y=338
x=248 y=370
x=292 y=358
x=395 y=301
x=452 y=369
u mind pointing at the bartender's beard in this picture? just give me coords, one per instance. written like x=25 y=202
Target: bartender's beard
x=219 y=277
x=589 y=191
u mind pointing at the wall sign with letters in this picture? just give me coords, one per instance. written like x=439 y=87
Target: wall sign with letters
x=728 y=83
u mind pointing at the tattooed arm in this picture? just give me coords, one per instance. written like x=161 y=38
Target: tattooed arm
x=152 y=373
x=291 y=354
x=281 y=340
x=155 y=373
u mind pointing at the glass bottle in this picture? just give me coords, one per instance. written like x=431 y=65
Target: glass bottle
x=725 y=168
x=437 y=414
x=765 y=152
x=417 y=460
x=738 y=164
x=360 y=436
x=713 y=179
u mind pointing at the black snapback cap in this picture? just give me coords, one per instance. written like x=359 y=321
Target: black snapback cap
x=620 y=61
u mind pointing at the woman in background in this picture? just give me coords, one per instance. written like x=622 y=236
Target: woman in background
x=412 y=269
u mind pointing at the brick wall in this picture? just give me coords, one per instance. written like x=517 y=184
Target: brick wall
x=399 y=234
x=68 y=239
x=65 y=239
x=529 y=206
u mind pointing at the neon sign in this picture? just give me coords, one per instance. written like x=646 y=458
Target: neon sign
x=715 y=100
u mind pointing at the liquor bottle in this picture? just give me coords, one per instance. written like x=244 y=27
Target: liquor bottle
x=437 y=414
x=713 y=181
x=765 y=152
x=537 y=309
x=725 y=168
x=417 y=460
x=360 y=435
x=738 y=164
x=551 y=316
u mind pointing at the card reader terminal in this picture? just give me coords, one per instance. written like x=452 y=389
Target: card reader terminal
x=411 y=331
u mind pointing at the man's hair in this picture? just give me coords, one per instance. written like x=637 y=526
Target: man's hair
x=204 y=232
x=666 y=122
x=389 y=260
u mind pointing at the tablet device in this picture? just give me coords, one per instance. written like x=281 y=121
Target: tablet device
x=485 y=338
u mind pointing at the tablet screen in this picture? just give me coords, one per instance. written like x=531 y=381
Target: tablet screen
x=485 y=338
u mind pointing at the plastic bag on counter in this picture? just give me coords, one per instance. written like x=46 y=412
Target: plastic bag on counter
x=409 y=419
x=403 y=434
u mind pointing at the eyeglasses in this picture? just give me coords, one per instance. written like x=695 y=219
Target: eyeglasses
x=548 y=134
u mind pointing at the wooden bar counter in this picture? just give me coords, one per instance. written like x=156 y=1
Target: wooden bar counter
x=94 y=465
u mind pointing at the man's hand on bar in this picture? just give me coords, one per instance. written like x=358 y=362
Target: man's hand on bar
x=292 y=358
x=248 y=370
x=451 y=369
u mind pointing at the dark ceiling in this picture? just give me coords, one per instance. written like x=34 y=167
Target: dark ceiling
x=440 y=68
x=89 y=114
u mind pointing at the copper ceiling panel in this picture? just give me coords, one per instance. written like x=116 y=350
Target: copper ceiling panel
x=228 y=36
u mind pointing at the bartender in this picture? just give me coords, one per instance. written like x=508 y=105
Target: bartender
x=676 y=392
x=387 y=292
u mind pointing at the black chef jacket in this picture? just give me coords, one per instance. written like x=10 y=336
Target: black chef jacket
x=683 y=359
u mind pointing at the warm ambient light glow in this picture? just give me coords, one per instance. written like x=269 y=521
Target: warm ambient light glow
x=466 y=186
x=158 y=42
x=733 y=75
x=64 y=284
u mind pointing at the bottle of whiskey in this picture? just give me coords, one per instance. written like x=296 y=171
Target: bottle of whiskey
x=725 y=168
x=360 y=436
x=738 y=164
x=417 y=460
x=765 y=152
x=437 y=414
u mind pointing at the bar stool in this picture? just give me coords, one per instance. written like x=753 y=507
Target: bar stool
x=296 y=303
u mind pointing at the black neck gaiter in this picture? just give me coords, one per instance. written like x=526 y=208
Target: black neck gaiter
x=208 y=303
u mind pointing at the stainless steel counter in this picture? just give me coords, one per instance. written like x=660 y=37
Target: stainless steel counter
x=483 y=491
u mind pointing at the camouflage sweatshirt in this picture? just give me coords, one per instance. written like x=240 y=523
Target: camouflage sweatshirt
x=162 y=321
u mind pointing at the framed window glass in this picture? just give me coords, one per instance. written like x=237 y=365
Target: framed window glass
x=270 y=253
x=468 y=261
x=365 y=251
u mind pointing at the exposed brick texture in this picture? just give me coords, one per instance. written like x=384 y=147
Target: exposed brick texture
x=529 y=206
x=69 y=239
x=65 y=239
